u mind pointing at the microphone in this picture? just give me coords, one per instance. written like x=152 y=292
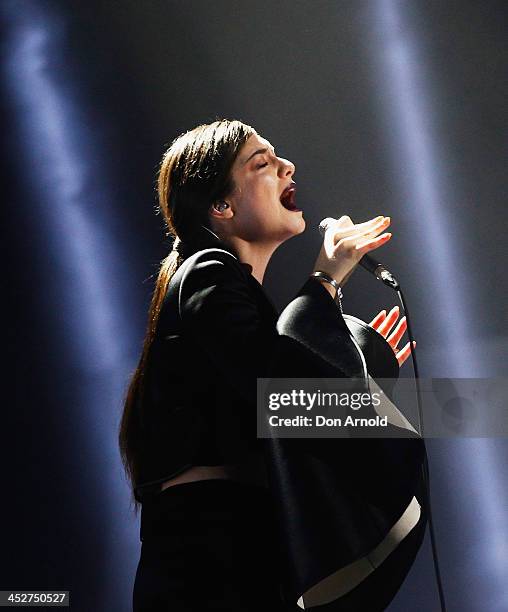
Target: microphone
x=370 y=264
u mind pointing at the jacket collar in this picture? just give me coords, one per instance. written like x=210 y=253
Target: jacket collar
x=205 y=238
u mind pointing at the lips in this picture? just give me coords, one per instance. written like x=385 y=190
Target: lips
x=288 y=198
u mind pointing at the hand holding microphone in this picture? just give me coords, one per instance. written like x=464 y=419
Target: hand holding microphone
x=346 y=243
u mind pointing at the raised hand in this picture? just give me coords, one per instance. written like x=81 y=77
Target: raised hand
x=383 y=323
x=345 y=243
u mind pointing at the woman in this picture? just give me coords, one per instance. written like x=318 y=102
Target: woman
x=188 y=438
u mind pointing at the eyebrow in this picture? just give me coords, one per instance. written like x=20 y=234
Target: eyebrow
x=258 y=152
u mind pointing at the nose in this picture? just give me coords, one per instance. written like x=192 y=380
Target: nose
x=286 y=168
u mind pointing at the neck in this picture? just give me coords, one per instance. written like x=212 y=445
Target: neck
x=256 y=254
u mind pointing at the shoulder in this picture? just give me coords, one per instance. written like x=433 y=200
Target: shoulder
x=211 y=265
x=214 y=257
x=205 y=282
x=212 y=279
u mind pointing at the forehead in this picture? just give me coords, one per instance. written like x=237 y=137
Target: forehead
x=253 y=143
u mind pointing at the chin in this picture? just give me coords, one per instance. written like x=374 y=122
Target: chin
x=295 y=228
x=300 y=226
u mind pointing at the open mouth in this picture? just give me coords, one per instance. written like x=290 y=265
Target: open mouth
x=288 y=198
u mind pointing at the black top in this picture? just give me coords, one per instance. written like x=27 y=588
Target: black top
x=217 y=332
x=343 y=506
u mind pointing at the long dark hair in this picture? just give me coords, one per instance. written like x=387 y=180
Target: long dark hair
x=194 y=173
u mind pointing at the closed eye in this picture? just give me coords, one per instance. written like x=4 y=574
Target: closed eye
x=262 y=165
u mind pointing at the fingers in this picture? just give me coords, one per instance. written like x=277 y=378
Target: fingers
x=366 y=230
x=345 y=227
x=355 y=241
x=378 y=319
x=372 y=229
x=389 y=322
x=399 y=331
x=404 y=353
x=383 y=323
x=364 y=247
x=348 y=223
x=371 y=221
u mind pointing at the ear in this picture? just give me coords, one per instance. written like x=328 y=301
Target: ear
x=221 y=210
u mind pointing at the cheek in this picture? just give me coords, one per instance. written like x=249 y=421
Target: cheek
x=258 y=203
x=254 y=209
x=263 y=207
x=265 y=195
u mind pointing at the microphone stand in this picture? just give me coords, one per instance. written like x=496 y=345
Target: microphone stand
x=425 y=465
x=386 y=277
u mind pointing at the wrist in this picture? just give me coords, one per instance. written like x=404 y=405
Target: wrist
x=327 y=286
x=331 y=285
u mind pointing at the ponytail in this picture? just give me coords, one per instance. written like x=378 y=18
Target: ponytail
x=129 y=435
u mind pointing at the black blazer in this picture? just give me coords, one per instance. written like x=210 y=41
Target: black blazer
x=217 y=333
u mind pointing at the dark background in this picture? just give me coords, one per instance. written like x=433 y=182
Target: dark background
x=385 y=107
